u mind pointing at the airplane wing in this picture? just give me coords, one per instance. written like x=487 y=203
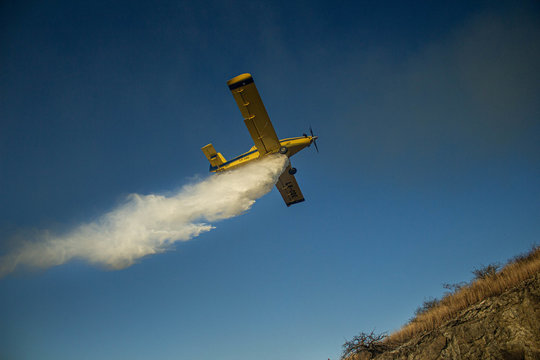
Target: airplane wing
x=288 y=188
x=255 y=116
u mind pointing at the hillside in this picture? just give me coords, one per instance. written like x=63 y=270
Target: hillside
x=496 y=316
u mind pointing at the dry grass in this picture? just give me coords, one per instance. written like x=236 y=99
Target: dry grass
x=517 y=270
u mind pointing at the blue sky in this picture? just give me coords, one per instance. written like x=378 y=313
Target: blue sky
x=428 y=117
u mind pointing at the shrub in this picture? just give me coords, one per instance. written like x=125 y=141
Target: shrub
x=454 y=288
x=486 y=271
x=365 y=343
x=426 y=306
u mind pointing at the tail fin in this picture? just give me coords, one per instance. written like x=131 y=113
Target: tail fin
x=215 y=158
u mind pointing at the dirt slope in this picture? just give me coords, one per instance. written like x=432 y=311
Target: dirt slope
x=501 y=327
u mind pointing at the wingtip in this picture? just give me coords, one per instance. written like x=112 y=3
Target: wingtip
x=240 y=80
x=295 y=202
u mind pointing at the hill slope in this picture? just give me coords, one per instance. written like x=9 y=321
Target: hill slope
x=502 y=327
x=495 y=316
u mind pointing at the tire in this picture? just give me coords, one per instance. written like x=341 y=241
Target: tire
x=283 y=150
x=292 y=171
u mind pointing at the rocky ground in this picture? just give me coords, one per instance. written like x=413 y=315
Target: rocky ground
x=502 y=327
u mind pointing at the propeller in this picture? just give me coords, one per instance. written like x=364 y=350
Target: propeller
x=314 y=138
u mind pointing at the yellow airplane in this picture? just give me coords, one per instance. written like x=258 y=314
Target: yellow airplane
x=264 y=136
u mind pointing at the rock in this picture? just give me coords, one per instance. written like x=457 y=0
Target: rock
x=504 y=327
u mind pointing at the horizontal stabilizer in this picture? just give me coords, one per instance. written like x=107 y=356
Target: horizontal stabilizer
x=215 y=158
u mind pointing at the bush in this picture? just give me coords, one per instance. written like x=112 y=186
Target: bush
x=454 y=288
x=370 y=343
x=426 y=306
x=525 y=257
x=486 y=271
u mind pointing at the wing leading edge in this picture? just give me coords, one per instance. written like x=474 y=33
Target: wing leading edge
x=255 y=116
x=288 y=188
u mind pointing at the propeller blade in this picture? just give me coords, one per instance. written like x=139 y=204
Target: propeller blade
x=314 y=138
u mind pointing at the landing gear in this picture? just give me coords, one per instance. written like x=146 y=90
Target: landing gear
x=283 y=150
x=292 y=171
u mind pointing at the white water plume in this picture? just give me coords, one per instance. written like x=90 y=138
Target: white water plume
x=149 y=224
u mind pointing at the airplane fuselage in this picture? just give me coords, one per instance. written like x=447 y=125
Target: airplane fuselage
x=264 y=137
x=289 y=147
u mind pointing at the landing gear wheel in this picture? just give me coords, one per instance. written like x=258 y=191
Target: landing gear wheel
x=283 y=150
x=292 y=171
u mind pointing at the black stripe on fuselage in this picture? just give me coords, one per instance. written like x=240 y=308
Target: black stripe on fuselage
x=212 y=168
x=245 y=82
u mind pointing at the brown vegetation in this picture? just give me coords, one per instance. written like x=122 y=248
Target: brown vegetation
x=489 y=281
x=365 y=343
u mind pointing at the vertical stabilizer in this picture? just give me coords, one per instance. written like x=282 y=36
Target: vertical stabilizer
x=215 y=158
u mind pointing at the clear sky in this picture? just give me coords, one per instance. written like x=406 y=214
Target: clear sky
x=429 y=121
